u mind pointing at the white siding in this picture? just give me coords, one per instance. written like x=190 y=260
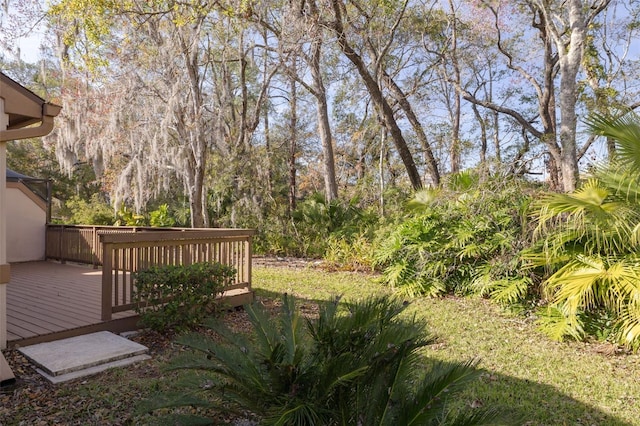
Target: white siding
x=25 y=226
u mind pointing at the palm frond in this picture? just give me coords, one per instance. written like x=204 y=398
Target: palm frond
x=268 y=337
x=353 y=364
x=424 y=199
x=481 y=416
x=553 y=321
x=482 y=282
x=510 y=290
x=296 y=413
x=443 y=381
x=625 y=130
x=621 y=180
x=589 y=240
x=629 y=325
x=620 y=285
x=422 y=286
x=575 y=284
x=291 y=327
x=590 y=199
x=589 y=281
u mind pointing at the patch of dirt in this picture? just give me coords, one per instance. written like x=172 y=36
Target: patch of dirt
x=288 y=262
x=301 y=263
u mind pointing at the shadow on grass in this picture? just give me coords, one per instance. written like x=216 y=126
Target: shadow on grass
x=535 y=403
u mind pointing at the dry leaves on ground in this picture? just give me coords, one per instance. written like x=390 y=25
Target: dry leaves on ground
x=108 y=398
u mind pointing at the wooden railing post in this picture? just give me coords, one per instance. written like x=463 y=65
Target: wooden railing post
x=248 y=260
x=107 y=281
x=94 y=246
x=62 y=244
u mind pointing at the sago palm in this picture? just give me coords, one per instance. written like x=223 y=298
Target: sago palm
x=352 y=365
x=590 y=242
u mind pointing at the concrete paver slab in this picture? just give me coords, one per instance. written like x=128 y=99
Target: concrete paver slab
x=92 y=370
x=82 y=352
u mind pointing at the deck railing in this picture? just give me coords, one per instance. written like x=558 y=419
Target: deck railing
x=121 y=251
x=81 y=243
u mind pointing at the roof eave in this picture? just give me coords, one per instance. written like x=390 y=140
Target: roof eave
x=24 y=109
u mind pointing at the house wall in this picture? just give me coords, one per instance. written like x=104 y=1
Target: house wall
x=25 y=219
x=4 y=267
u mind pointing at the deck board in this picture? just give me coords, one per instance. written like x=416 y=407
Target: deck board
x=45 y=299
x=54 y=302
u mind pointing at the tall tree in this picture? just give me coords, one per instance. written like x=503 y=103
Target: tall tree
x=562 y=31
x=184 y=68
x=163 y=82
x=569 y=34
x=609 y=68
x=301 y=36
x=339 y=18
x=293 y=143
x=455 y=108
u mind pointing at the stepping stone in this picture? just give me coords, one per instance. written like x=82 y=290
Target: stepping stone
x=81 y=356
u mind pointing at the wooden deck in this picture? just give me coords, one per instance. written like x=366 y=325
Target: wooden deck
x=50 y=301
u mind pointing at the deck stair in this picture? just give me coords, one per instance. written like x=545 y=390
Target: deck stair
x=80 y=356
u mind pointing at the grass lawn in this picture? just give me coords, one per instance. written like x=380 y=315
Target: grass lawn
x=549 y=383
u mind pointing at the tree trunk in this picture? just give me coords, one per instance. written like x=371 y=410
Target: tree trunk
x=553 y=168
x=383 y=148
x=198 y=145
x=456 y=148
x=324 y=127
x=195 y=201
x=293 y=143
x=570 y=61
x=382 y=106
x=496 y=136
x=483 y=138
x=401 y=98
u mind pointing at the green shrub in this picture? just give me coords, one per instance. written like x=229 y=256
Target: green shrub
x=279 y=237
x=316 y=229
x=128 y=217
x=93 y=212
x=353 y=364
x=589 y=245
x=460 y=240
x=179 y=296
x=352 y=254
x=316 y=221
x=161 y=217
